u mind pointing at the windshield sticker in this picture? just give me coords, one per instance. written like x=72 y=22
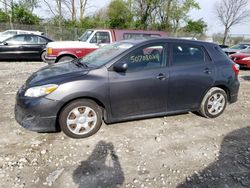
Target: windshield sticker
x=144 y=58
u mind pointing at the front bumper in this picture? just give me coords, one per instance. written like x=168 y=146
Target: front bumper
x=50 y=59
x=37 y=114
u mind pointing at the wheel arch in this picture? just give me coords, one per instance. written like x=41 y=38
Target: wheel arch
x=97 y=101
x=225 y=88
x=63 y=55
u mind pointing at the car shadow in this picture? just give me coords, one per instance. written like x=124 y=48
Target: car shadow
x=232 y=169
x=101 y=169
x=247 y=78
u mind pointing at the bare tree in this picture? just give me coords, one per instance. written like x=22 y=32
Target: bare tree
x=56 y=9
x=83 y=4
x=230 y=13
x=71 y=6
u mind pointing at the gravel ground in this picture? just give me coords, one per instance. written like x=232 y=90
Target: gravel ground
x=175 y=151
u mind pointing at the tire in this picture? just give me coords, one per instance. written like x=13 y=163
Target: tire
x=73 y=118
x=43 y=55
x=65 y=59
x=213 y=103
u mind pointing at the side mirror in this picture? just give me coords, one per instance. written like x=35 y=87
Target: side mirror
x=121 y=67
x=4 y=43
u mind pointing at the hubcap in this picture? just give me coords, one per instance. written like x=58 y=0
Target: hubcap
x=81 y=120
x=216 y=104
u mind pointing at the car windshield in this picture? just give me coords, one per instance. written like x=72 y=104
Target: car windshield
x=104 y=54
x=239 y=46
x=86 y=35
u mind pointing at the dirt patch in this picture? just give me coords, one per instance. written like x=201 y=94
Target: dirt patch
x=176 y=151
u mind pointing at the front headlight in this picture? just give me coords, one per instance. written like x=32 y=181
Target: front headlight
x=39 y=91
x=246 y=59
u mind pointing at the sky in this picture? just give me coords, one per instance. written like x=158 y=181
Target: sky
x=206 y=13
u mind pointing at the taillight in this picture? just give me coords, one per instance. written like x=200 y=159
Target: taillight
x=236 y=68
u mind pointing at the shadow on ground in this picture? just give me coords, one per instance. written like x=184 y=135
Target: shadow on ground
x=231 y=170
x=101 y=169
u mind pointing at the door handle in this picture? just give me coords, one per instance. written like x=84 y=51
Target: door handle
x=161 y=77
x=207 y=71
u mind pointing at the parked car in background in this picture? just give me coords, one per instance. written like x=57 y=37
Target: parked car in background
x=9 y=33
x=91 y=40
x=128 y=80
x=236 y=48
x=223 y=46
x=242 y=59
x=24 y=47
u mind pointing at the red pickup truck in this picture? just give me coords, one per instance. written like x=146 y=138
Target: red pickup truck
x=90 y=41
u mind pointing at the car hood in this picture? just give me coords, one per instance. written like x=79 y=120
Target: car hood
x=56 y=74
x=70 y=44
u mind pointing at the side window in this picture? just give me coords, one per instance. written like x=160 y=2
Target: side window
x=16 y=40
x=31 y=39
x=42 y=40
x=147 y=57
x=187 y=54
x=101 y=37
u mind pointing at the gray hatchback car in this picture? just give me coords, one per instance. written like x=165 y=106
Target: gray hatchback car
x=128 y=80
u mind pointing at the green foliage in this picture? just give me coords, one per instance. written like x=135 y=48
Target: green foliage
x=118 y=14
x=22 y=16
x=197 y=27
x=3 y=17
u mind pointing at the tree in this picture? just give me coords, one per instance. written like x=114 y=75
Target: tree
x=172 y=13
x=29 y=5
x=22 y=16
x=118 y=14
x=83 y=4
x=180 y=10
x=4 y=17
x=231 y=13
x=143 y=9
x=196 y=27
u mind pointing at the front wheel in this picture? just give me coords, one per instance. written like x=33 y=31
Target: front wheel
x=213 y=103
x=43 y=55
x=80 y=118
x=65 y=59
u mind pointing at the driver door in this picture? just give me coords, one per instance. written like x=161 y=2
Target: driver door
x=143 y=88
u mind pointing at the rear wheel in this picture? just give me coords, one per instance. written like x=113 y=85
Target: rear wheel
x=214 y=103
x=66 y=59
x=80 y=118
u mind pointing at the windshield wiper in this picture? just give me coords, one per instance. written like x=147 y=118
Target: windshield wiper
x=78 y=63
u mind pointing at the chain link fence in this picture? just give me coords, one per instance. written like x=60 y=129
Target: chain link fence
x=53 y=32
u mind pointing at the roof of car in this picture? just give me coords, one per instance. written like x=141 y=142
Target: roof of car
x=168 y=39
x=31 y=34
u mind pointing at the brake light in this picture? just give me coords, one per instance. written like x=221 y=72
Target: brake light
x=49 y=51
x=236 y=68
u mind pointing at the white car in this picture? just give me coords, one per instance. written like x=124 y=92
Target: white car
x=9 y=33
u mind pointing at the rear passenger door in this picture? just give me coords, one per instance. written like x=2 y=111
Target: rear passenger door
x=191 y=74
